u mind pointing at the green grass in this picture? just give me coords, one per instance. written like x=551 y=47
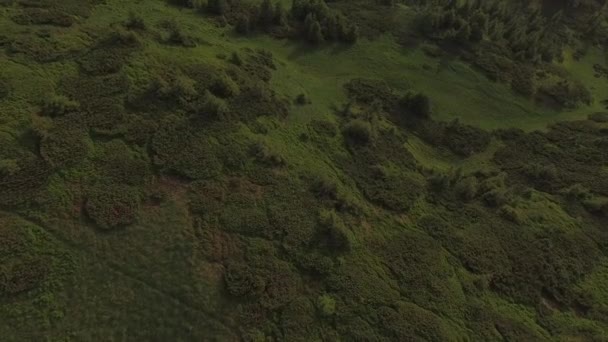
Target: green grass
x=154 y=280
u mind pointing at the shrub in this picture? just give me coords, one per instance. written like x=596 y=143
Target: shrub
x=597 y=117
x=213 y=106
x=112 y=206
x=302 y=100
x=325 y=188
x=235 y=58
x=240 y=280
x=324 y=127
x=225 y=87
x=218 y=7
x=467 y=188
x=418 y=104
x=339 y=237
x=243 y=25
x=176 y=36
x=58 y=105
x=265 y=155
x=512 y=214
x=326 y=305
x=358 y=132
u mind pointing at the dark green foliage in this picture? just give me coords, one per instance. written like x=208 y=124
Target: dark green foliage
x=63 y=146
x=318 y=22
x=599 y=117
x=112 y=207
x=566 y=93
x=358 y=132
x=463 y=140
x=418 y=104
x=302 y=100
x=368 y=91
x=218 y=7
x=241 y=280
x=339 y=237
x=176 y=36
x=242 y=25
x=314 y=33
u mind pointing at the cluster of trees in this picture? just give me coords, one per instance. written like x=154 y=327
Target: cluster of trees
x=525 y=32
x=319 y=23
x=312 y=20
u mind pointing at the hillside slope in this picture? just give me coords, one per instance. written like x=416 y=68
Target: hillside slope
x=180 y=170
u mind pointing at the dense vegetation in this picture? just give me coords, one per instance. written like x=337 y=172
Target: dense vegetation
x=264 y=171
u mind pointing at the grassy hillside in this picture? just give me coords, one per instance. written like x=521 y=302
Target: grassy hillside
x=183 y=170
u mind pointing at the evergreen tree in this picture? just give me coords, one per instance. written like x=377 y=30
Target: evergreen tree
x=464 y=34
x=219 y=7
x=352 y=35
x=280 y=15
x=315 y=34
x=243 y=25
x=266 y=13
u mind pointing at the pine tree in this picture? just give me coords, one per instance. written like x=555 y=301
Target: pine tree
x=219 y=7
x=352 y=35
x=315 y=34
x=266 y=13
x=242 y=25
x=280 y=15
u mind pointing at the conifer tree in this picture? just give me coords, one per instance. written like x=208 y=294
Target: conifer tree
x=315 y=34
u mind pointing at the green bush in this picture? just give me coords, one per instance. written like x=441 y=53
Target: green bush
x=213 y=107
x=418 y=104
x=225 y=87
x=339 y=237
x=326 y=305
x=264 y=154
